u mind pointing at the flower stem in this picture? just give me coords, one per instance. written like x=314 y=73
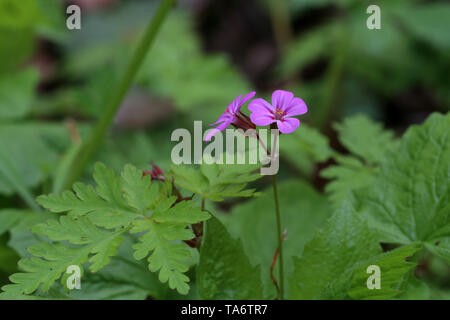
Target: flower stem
x=96 y=138
x=280 y=237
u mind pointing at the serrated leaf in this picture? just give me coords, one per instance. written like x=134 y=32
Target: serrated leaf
x=329 y=258
x=369 y=143
x=365 y=138
x=348 y=176
x=50 y=261
x=393 y=268
x=56 y=258
x=224 y=271
x=137 y=188
x=105 y=205
x=116 y=203
x=82 y=231
x=217 y=181
x=409 y=201
x=168 y=224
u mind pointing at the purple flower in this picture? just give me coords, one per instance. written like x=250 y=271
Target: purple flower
x=233 y=115
x=283 y=107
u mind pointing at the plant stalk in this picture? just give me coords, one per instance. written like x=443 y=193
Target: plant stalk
x=119 y=93
x=280 y=236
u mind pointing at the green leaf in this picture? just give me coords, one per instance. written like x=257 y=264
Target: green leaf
x=217 y=181
x=10 y=217
x=137 y=188
x=50 y=261
x=168 y=224
x=81 y=231
x=440 y=248
x=328 y=259
x=115 y=283
x=9 y=259
x=414 y=289
x=131 y=201
x=16 y=26
x=409 y=201
x=14 y=180
x=105 y=205
x=17 y=92
x=224 y=271
x=365 y=138
x=305 y=140
x=302 y=209
x=393 y=269
x=428 y=22
x=369 y=143
x=26 y=160
x=348 y=176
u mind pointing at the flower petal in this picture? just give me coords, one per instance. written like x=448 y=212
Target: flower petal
x=247 y=97
x=288 y=125
x=220 y=127
x=296 y=108
x=281 y=99
x=260 y=105
x=210 y=134
x=262 y=118
x=235 y=105
x=224 y=117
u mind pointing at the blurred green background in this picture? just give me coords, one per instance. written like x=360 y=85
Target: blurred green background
x=54 y=83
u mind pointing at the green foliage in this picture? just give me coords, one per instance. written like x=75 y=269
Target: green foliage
x=168 y=224
x=303 y=210
x=387 y=190
x=333 y=263
x=16 y=27
x=213 y=81
x=408 y=201
x=365 y=138
x=394 y=270
x=305 y=145
x=127 y=203
x=216 y=181
x=307 y=49
x=9 y=218
x=224 y=271
x=17 y=93
x=433 y=22
x=368 y=142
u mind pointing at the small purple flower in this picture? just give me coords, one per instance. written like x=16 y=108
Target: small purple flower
x=283 y=107
x=233 y=115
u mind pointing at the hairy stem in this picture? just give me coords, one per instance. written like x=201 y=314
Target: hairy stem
x=272 y=266
x=119 y=93
x=280 y=237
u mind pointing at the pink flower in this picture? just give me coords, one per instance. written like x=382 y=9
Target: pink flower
x=284 y=106
x=233 y=115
